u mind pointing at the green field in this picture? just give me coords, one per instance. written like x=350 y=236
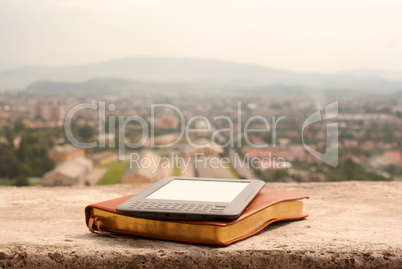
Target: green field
x=7 y=183
x=12 y=183
x=233 y=171
x=176 y=171
x=114 y=172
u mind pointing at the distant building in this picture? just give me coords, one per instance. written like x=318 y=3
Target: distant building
x=146 y=170
x=390 y=157
x=165 y=123
x=165 y=139
x=284 y=141
x=68 y=173
x=350 y=143
x=201 y=127
x=351 y=157
x=65 y=152
x=17 y=141
x=367 y=145
x=393 y=157
x=50 y=110
x=107 y=138
x=104 y=157
x=259 y=153
x=34 y=124
x=206 y=148
x=306 y=176
x=4 y=141
x=297 y=151
x=205 y=168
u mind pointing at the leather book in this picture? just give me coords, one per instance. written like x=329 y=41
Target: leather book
x=269 y=206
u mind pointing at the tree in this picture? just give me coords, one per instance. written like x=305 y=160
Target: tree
x=9 y=164
x=353 y=171
x=47 y=164
x=33 y=157
x=21 y=181
x=22 y=150
x=347 y=170
x=280 y=173
x=393 y=170
x=86 y=132
x=9 y=134
x=18 y=125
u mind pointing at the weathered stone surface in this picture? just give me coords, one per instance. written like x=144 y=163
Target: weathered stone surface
x=351 y=224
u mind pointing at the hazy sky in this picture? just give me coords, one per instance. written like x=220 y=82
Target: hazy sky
x=300 y=35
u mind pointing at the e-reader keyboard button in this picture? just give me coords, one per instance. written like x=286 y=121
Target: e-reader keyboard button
x=218 y=208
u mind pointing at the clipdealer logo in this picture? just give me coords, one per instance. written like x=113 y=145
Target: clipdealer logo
x=330 y=156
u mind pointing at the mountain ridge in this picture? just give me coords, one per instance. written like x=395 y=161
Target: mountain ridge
x=193 y=70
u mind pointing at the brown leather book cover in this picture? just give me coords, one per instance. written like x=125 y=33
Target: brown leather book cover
x=266 y=198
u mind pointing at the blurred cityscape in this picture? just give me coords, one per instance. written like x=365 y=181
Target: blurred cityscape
x=34 y=149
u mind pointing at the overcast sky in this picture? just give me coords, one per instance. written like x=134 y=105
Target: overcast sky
x=306 y=36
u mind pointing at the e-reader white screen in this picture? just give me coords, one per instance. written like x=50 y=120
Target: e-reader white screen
x=200 y=191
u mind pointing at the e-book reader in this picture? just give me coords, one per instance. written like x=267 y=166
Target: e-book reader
x=182 y=198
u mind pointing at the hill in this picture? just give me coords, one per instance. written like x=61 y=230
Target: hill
x=195 y=71
x=105 y=86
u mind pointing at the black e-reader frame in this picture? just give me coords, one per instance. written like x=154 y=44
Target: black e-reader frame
x=189 y=199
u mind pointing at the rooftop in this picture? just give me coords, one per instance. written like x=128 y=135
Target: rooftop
x=350 y=224
x=103 y=154
x=72 y=168
x=67 y=148
x=148 y=169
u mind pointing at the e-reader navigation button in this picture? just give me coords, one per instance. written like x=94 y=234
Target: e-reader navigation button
x=218 y=208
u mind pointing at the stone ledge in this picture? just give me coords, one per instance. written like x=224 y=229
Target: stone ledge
x=351 y=224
